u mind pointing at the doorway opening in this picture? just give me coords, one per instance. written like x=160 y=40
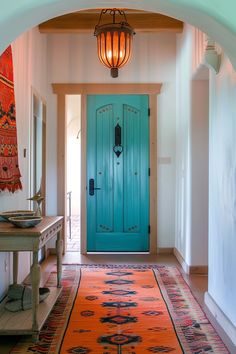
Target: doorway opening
x=73 y=166
x=63 y=91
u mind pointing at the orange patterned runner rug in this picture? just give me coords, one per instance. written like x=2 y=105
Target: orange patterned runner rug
x=124 y=310
x=119 y=311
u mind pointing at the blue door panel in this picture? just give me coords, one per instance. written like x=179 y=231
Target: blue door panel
x=132 y=186
x=118 y=212
x=104 y=169
x=121 y=243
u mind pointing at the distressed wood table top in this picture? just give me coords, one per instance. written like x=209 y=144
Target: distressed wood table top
x=14 y=238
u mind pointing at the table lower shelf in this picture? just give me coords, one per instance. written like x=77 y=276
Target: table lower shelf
x=20 y=323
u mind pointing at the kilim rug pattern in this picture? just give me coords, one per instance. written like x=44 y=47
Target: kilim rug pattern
x=9 y=169
x=124 y=310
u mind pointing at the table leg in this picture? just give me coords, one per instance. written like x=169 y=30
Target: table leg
x=15 y=267
x=59 y=258
x=35 y=278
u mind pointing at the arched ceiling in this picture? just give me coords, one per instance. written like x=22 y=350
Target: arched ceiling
x=85 y=21
x=214 y=17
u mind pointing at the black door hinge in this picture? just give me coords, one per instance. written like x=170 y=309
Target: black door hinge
x=149 y=229
x=149 y=172
x=149 y=112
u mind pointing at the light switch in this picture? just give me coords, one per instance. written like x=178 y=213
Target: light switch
x=164 y=160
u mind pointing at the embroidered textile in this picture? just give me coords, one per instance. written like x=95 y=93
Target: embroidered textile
x=9 y=168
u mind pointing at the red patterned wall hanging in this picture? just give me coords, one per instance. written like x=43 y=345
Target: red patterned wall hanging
x=9 y=168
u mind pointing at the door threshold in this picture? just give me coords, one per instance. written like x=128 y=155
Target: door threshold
x=118 y=252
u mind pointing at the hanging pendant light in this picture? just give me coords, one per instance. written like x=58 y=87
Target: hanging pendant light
x=114 y=41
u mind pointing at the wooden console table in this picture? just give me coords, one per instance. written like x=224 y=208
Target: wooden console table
x=30 y=239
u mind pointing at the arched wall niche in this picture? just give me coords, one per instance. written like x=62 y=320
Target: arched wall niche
x=217 y=22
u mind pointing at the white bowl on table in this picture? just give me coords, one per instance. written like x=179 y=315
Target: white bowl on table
x=25 y=221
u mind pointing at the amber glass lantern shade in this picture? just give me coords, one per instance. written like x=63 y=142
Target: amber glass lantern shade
x=114 y=41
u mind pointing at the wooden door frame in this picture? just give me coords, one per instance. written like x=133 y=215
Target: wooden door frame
x=34 y=93
x=61 y=90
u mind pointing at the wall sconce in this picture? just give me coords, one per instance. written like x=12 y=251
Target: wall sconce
x=114 y=41
x=212 y=59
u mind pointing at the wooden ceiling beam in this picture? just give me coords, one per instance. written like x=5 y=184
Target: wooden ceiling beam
x=86 y=22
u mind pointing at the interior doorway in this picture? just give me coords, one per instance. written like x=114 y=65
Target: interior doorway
x=62 y=91
x=73 y=166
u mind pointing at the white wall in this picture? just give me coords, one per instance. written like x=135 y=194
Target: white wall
x=29 y=63
x=73 y=58
x=199 y=172
x=191 y=239
x=183 y=143
x=194 y=138
x=166 y=166
x=222 y=190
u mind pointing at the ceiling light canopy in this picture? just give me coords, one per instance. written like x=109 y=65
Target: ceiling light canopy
x=114 y=40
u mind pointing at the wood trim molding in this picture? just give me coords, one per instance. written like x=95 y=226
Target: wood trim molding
x=83 y=243
x=61 y=161
x=181 y=260
x=153 y=172
x=203 y=270
x=165 y=250
x=104 y=89
x=85 y=22
x=188 y=269
x=84 y=89
x=41 y=100
x=44 y=158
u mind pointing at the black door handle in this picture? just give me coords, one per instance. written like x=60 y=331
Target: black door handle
x=118 y=148
x=91 y=187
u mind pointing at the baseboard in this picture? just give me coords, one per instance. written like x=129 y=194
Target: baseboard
x=165 y=250
x=123 y=253
x=220 y=321
x=181 y=260
x=203 y=270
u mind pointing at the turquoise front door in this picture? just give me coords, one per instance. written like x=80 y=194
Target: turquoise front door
x=117 y=173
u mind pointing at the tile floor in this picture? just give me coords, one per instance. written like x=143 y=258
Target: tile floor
x=73 y=237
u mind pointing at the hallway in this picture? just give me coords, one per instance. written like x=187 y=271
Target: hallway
x=197 y=283
x=195 y=125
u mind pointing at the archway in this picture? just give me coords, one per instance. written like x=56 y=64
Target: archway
x=218 y=25
x=216 y=22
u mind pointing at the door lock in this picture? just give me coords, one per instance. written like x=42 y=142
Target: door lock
x=91 y=187
x=118 y=148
